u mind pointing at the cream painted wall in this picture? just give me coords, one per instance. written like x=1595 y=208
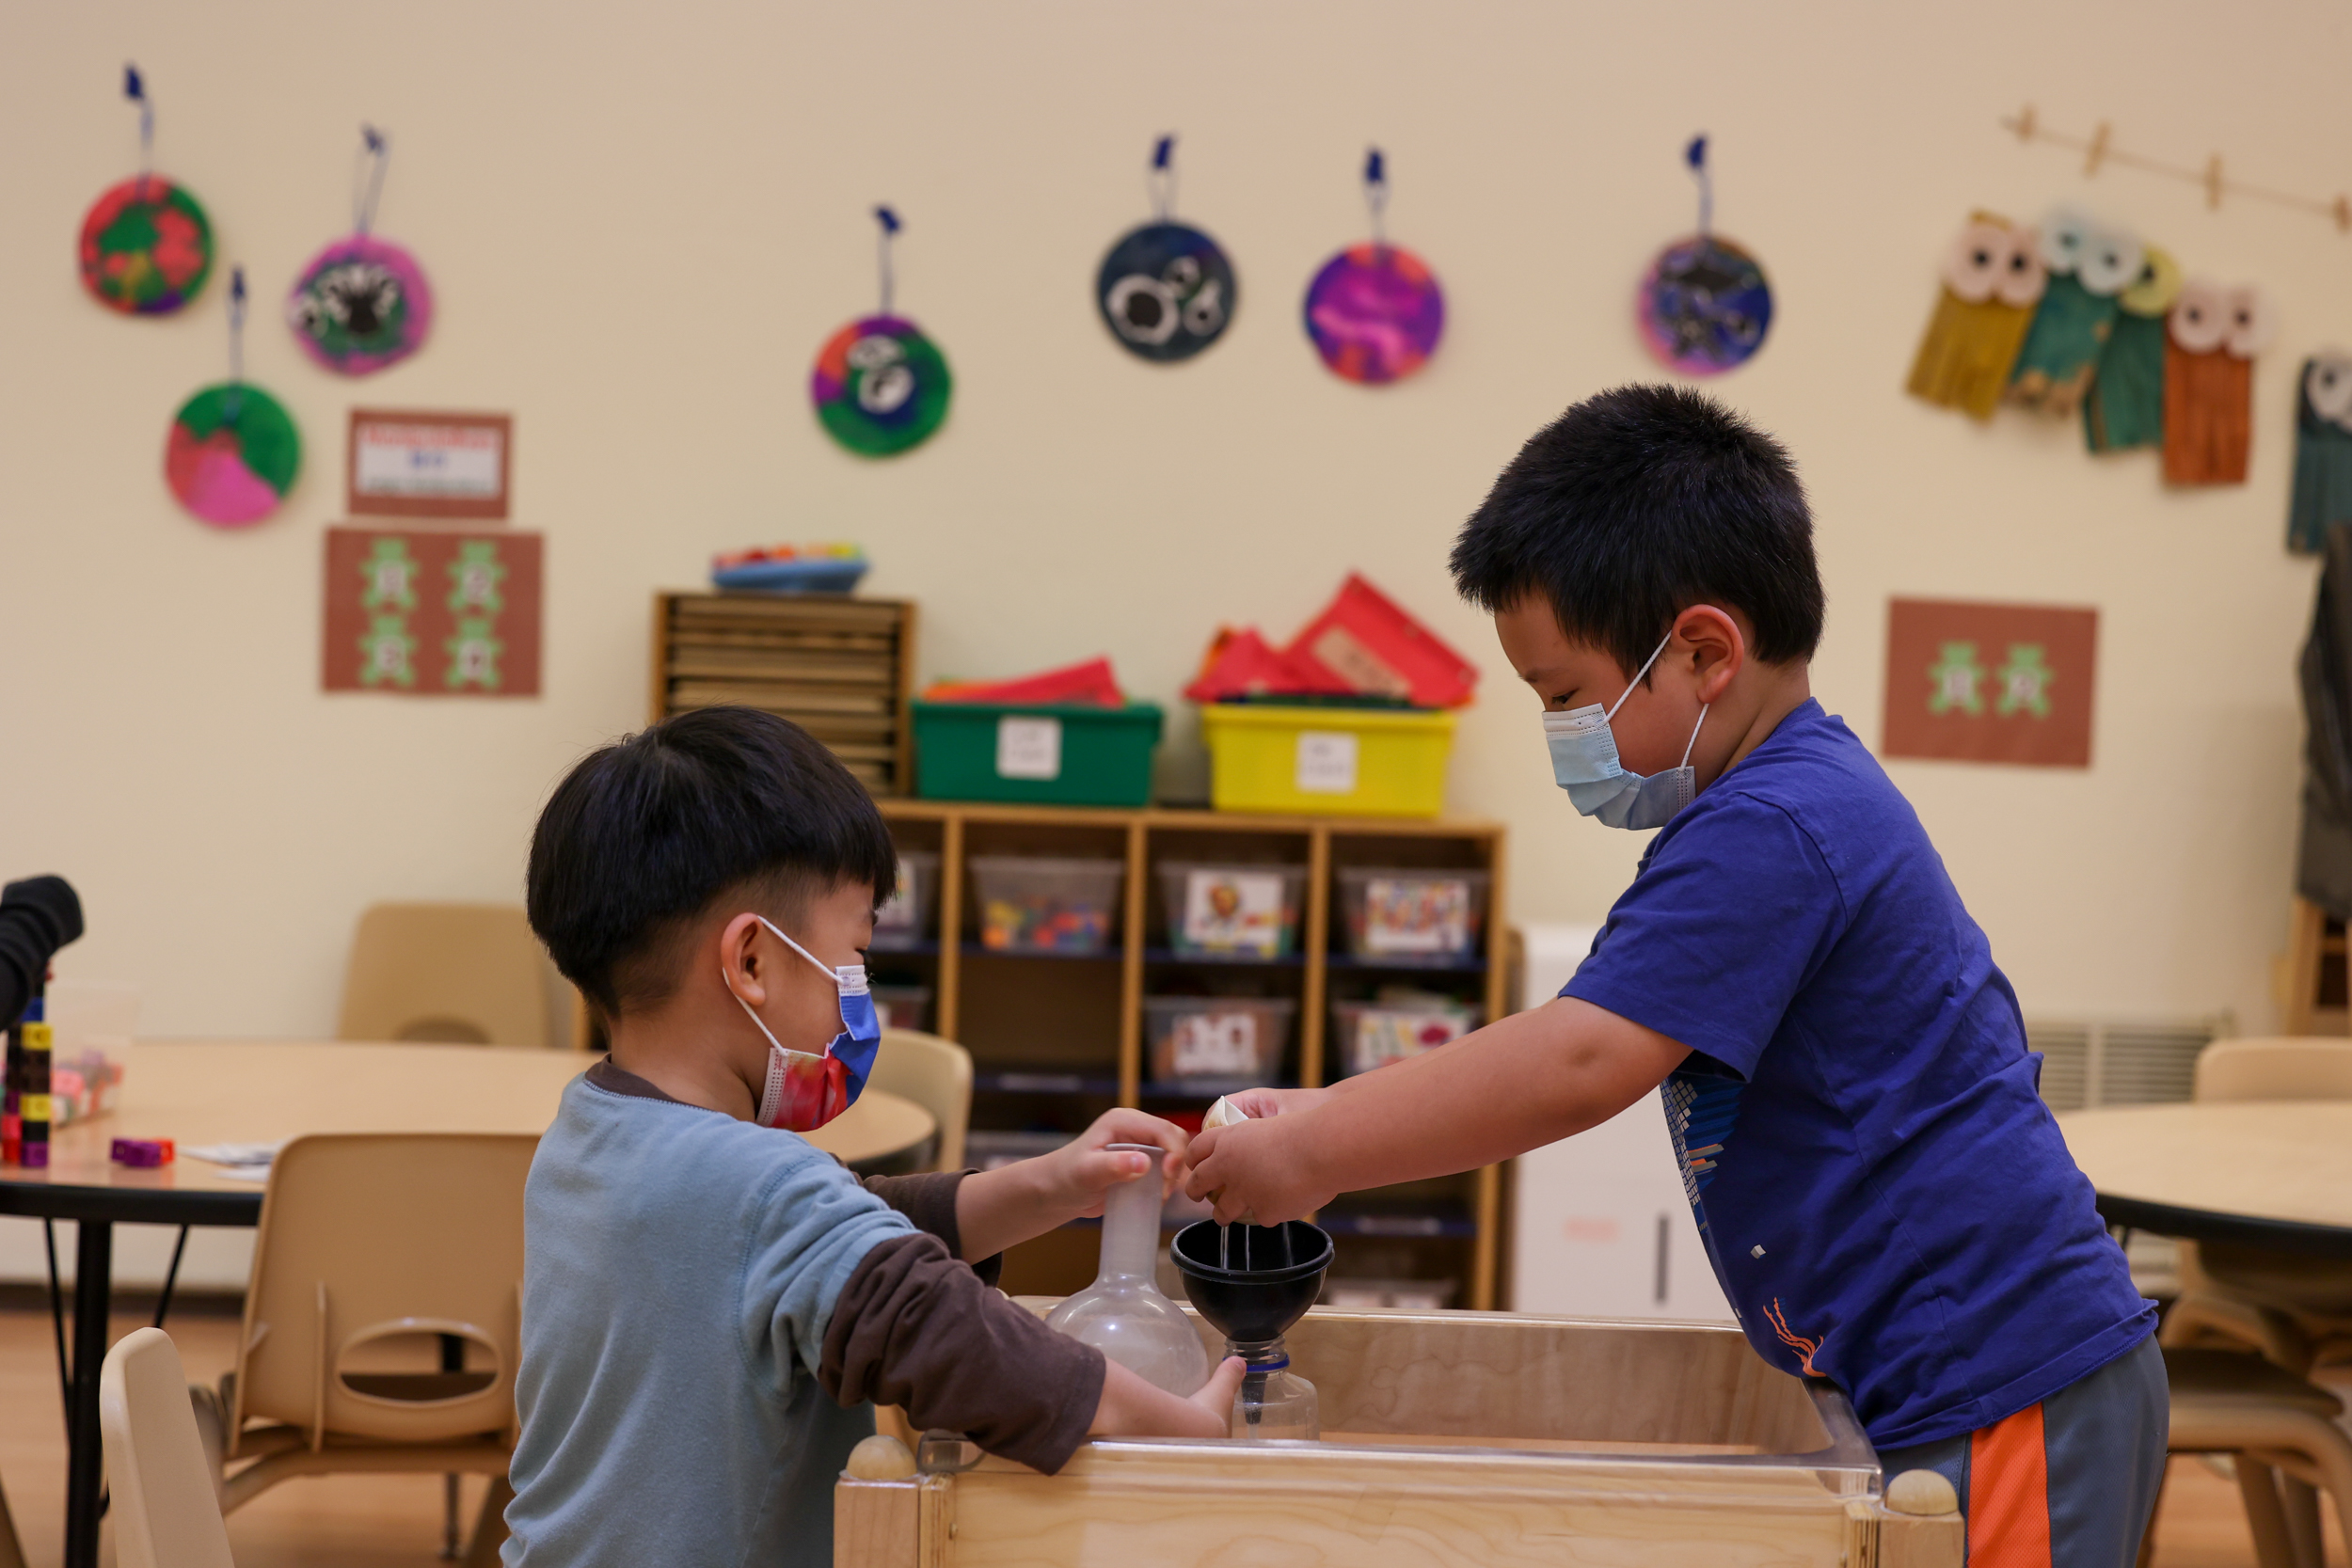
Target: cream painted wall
x=640 y=221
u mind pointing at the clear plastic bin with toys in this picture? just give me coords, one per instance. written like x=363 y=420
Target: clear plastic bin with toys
x=1396 y=1024
x=1047 y=905
x=1232 y=911
x=1216 y=1044
x=906 y=920
x=1408 y=915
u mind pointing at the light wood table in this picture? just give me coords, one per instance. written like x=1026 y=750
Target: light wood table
x=2268 y=1173
x=205 y=1092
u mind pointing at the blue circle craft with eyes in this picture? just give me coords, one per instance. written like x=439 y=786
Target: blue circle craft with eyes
x=1703 y=303
x=1166 y=289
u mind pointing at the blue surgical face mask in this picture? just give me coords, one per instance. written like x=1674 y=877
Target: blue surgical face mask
x=1584 y=762
x=804 y=1090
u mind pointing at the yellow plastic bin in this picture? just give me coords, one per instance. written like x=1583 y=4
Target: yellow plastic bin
x=1344 y=761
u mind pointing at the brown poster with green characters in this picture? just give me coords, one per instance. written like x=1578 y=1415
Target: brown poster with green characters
x=1969 y=682
x=432 y=612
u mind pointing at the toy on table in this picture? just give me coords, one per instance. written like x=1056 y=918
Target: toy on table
x=32 y=1099
x=141 y=1153
x=789 y=569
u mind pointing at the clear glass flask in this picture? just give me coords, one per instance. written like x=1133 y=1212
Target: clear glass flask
x=1123 y=1314
x=1274 y=1401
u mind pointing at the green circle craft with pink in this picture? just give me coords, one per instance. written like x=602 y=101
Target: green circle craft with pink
x=147 y=246
x=233 y=455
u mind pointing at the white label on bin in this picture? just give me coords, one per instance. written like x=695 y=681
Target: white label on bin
x=1234 y=911
x=1327 y=762
x=1214 y=1045
x=1028 y=748
x=1417 y=914
x=898 y=914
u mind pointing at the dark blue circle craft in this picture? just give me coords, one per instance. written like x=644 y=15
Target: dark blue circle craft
x=1166 y=290
x=1705 y=306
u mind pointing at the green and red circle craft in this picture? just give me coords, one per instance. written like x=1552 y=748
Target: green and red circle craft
x=880 y=385
x=147 y=246
x=232 y=455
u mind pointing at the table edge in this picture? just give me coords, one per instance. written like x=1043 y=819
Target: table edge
x=2214 y=1225
x=45 y=1200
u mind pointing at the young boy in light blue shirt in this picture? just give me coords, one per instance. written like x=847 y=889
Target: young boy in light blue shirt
x=708 y=1300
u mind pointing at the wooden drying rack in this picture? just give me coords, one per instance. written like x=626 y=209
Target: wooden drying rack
x=2099 y=149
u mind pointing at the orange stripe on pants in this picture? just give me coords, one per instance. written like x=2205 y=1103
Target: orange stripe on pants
x=2009 y=1495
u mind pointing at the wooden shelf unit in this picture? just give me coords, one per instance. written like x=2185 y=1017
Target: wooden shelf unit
x=840 y=667
x=1076 y=1024
x=2316 y=975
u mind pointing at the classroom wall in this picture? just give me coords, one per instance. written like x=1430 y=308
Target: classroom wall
x=640 y=221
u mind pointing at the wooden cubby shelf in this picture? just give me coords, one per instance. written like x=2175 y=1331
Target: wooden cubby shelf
x=1057 y=1038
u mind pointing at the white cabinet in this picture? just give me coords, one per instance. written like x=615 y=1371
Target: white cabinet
x=1600 y=1226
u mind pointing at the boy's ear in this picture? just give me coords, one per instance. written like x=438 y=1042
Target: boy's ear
x=1719 y=650
x=739 y=964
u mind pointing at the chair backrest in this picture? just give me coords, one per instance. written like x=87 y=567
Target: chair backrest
x=461 y=974
x=2287 y=1068
x=166 y=1513
x=936 y=1074
x=385 y=1300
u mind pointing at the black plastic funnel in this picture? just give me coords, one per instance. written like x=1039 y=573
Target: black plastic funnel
x=1240 y=1281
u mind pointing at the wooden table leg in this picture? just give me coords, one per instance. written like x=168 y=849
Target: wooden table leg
x=85 y=1456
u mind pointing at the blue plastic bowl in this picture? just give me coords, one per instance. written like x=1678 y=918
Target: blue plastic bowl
x=832 y=575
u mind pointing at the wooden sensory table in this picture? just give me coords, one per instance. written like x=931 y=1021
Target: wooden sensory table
x=1450 y=1440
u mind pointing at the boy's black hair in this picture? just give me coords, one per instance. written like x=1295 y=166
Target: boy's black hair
x=644 y=833
x=1638 y=503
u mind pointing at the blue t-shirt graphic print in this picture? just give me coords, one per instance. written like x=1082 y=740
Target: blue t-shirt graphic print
x=1886 y=1200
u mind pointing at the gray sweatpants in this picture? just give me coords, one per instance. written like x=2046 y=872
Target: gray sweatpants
x=2067 y=1483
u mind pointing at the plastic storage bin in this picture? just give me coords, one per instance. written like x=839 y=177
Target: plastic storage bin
x=1046 y=905
x=1055 y=754
x=1408 y=915
x=906 y=921
x=1345 y=761
x=1233 y=910
x=1369 y=1035
x=1216 y=1044
x=903 y=1006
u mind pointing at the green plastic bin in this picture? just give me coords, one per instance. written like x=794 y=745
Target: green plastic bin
x=1040 y=753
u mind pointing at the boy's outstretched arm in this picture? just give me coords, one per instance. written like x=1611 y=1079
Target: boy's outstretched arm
x=1529 y=1080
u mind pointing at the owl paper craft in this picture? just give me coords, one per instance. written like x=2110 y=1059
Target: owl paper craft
x=2323 y=451
x=2211 y=339
x=2089 y=266
x=2125 y=408
x=1993 y=275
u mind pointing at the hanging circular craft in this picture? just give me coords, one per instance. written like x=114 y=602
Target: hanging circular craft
x=880 y=385
x=147 y=246
x=361 y=304
x=1166 y=290
x=232 y=455
x=1375 y=313
x=1705 y=306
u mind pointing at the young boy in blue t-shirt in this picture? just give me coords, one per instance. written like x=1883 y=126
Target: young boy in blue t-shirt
x=1886 y=1200
x=708 y=1299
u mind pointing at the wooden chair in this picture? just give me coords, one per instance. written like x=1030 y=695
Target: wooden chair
x=2295 y=1311
x=453 y=973
x=165 y=1512
x=2275 y=1425
x=936 y=1074
x=383 y=1322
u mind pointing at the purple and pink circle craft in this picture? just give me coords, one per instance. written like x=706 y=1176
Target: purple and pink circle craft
x=1375 y=313
x=361 y=304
